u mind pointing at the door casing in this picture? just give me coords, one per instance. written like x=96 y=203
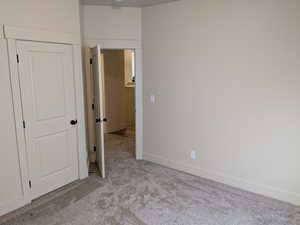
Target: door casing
x=11 y=35
x=138 y=97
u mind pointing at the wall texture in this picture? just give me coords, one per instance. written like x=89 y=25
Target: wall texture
x=54 y=15
x=227 y=85
x=111 y=27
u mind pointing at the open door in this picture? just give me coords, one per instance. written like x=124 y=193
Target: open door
x=97 y=70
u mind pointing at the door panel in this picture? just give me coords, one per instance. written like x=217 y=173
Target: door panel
x=97 y=69
x=49 y=147
x=47 y=87
x=48 y=105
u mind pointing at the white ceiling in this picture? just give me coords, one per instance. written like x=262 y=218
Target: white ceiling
x=128 y=3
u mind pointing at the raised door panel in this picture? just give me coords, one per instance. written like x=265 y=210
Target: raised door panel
x=48 y=106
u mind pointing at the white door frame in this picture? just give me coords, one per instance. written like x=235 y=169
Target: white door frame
x=137 y=46
x=138 y=96
x=12 y=34
x=139 y=103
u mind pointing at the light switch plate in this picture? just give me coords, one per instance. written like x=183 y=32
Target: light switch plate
x=152 y=99
x=193 y=155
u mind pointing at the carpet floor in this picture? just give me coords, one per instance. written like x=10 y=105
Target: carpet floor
x=143 y=193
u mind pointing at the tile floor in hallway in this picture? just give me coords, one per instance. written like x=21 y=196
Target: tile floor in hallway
x=143 y=193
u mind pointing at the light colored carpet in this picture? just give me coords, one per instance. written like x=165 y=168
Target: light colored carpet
x=143 y=193
x=124 y=142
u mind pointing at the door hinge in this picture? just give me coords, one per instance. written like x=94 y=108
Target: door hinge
x=18 y=60
x=93 y=106
x=91 y=61
x=24 y=124
x=95 y=148
x=30 y=184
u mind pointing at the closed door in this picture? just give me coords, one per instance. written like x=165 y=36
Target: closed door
x=48 y=99
x=97 y=70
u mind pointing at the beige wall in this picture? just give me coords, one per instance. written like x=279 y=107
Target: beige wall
x=119 y=99
x=227 y=85
x=54 y=15
x=111 y=27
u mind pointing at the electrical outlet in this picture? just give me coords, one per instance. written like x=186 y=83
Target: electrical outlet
x=193 y=155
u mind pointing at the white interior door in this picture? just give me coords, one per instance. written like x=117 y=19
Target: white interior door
x=48 y=98
x=97 y=69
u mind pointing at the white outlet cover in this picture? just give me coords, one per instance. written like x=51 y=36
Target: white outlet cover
x=193 y=155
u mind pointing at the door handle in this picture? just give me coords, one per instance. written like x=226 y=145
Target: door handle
x=73 y=122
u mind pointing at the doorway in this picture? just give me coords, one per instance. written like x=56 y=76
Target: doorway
x=110 y=88
x=119 y=76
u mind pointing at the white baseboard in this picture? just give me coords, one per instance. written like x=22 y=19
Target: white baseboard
x=10 y=206
x=293 y=198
